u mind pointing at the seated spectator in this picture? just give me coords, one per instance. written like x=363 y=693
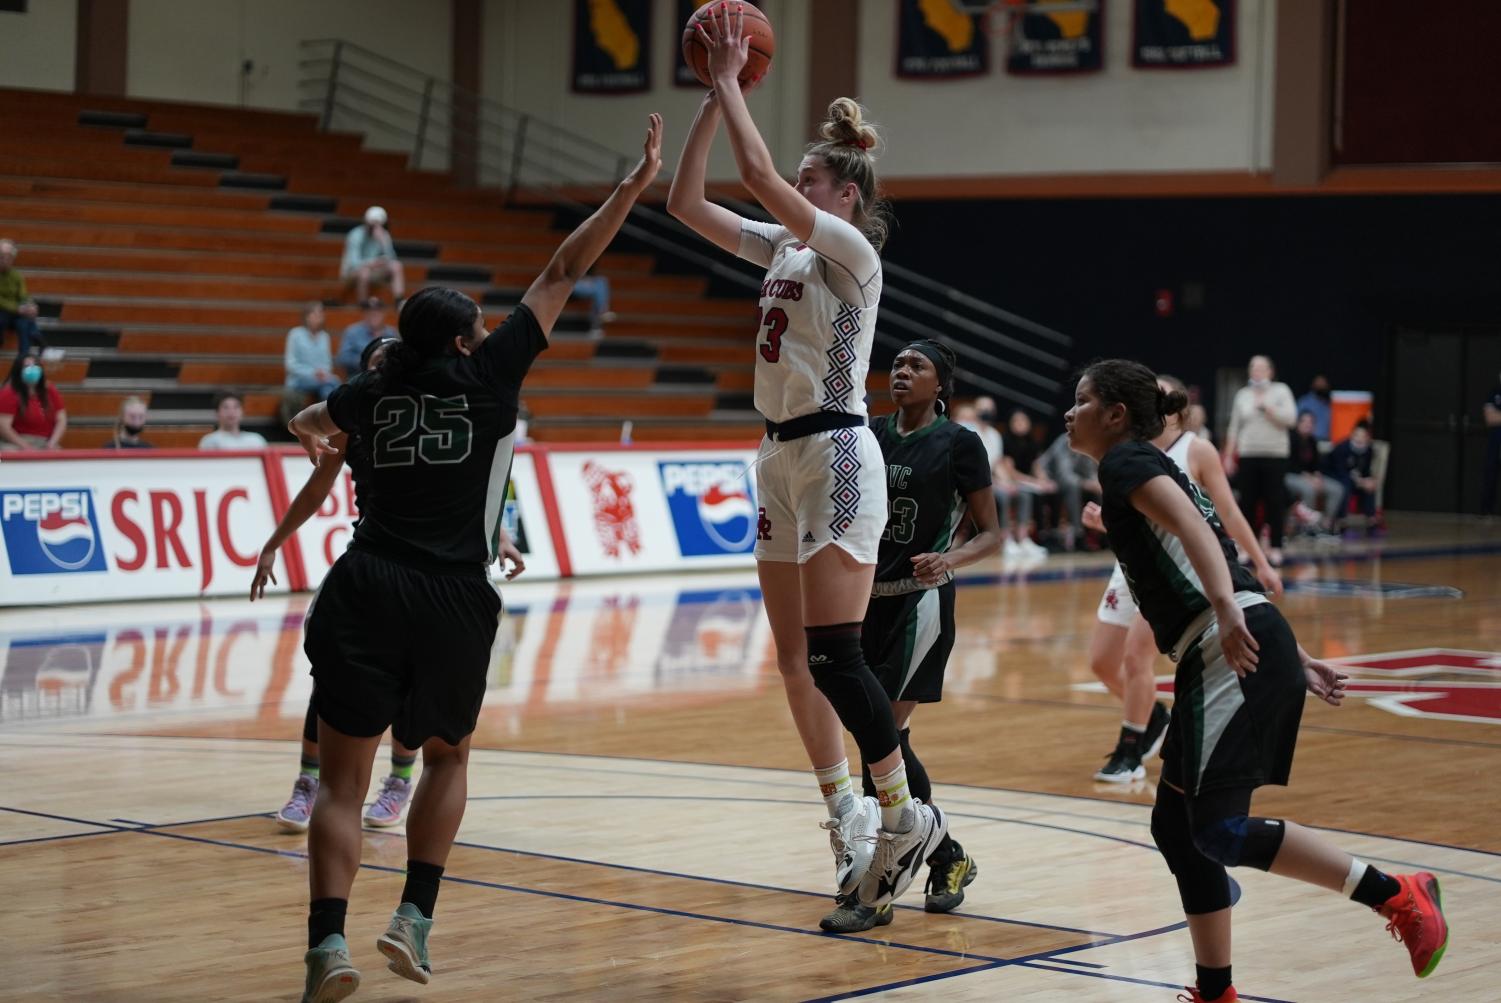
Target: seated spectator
x=230 y=410
x=16 y=308
x=310 y=362
x=1317 y=402
x=1305 y=478
x=979 y=418
x=1020 y=480
x=360 y=334
x=370 y=256
x=129 y=425
x=32 y=413
x=1075 y=475
x=1350 y=464
x=595 y=289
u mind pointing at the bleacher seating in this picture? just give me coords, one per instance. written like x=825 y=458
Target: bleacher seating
x=172 y=246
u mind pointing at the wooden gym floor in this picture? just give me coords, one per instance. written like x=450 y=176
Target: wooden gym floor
x=641 y=824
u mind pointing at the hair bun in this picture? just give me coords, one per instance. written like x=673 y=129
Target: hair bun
x=846 y=125
x=1171 y=402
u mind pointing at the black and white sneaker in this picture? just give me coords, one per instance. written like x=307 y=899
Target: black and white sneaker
x=947 y=878
x=1124 y=764
x=849 y=916
x=900 y=855
x=853 y=840
x=1156 y=730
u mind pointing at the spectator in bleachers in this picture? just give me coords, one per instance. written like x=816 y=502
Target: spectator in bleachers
x=230 y=410
x=16 y=308
x=1491 y=412
x=32 y=412
x=370 y=256
x=129 y=425
x=310 y=361
x=1256 y=445
x=1021 y=480
x=983 y=414
x=596 y=289
x=1350 y=464
x=1076 y=476
x=360 y=334
x=1305 y=474
x=1317 y=402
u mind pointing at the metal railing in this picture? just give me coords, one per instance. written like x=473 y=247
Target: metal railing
x=437 y=125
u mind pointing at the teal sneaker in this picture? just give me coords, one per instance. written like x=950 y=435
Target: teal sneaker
x=330 y=976
x=405 y=944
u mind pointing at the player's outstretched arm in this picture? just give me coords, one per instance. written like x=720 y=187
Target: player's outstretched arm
x=307 y=502
x=577 y=254
x=729 y=48
x=686 y=199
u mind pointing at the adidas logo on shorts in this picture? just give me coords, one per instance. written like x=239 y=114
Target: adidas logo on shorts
x=808 y=538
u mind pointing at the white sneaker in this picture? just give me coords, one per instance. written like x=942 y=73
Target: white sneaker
x=900 y=855
x=1011 y=548
x=1030 y=548
x=853 y=840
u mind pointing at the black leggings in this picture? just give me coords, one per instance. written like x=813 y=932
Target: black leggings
x=1200 y=836
x=1261 y=481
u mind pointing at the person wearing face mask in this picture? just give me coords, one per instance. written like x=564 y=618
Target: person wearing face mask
x=1317 y=403
x=1350 y=465
x=129 y=426
x=32 y=414
x=1257 y=445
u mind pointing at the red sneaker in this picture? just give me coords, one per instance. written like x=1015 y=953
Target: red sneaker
x=1193 y=996
x=1415 y=916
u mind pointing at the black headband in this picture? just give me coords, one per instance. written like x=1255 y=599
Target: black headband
x=944 y=369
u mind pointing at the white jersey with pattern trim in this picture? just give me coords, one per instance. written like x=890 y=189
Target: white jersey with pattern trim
x=818 y=316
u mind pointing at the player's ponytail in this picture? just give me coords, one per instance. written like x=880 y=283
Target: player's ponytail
x=428 y=324
x=847 y=144
x=1121 y=381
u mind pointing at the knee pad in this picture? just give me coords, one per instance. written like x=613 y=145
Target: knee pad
x=1241 y=841
x=839 y=671
x=1203 y=885
x=1170 y=832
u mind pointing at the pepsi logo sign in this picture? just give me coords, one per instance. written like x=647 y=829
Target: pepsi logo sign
x=713 y=507
x=51 y=531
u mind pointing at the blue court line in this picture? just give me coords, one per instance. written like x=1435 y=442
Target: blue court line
x=1140 y=982
x=1082 y=964
x=905 y=983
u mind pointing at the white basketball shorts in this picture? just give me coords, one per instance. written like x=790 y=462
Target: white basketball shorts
x=1116 y=605
x=829 y=487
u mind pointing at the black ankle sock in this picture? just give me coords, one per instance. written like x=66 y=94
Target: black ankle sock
x=1213 y=981
x=422 y=886
x=1375 y=888
x=325 y=917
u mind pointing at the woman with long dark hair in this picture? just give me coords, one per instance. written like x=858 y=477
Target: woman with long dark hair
x=1239 y=688
x=400 y=633
x=32 y=412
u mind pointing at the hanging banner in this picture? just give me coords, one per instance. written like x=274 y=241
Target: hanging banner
x=1068 y=40
x=611 y=50
x=682 y=76
x=1183 y=34
x=936 y=41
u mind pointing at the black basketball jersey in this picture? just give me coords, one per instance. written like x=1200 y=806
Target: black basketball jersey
x=432 y=454
x=1166 y=588
x=929 y=474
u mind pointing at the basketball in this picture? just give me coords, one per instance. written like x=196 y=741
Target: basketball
x=762 y=42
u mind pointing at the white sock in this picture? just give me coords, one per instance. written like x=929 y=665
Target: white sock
x=896 y=800
x=1140 y=729
x=836 y=787
x=1352 y=880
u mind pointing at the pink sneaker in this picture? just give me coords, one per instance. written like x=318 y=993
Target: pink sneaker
x=298 y=811
x=389 y=803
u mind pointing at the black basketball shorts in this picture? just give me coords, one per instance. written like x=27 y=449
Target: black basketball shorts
x=393 y=646
x=1228 y=732
x=907 y=640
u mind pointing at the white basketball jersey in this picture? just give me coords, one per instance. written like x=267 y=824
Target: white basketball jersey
x=1178 y=452
x=818 y=317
